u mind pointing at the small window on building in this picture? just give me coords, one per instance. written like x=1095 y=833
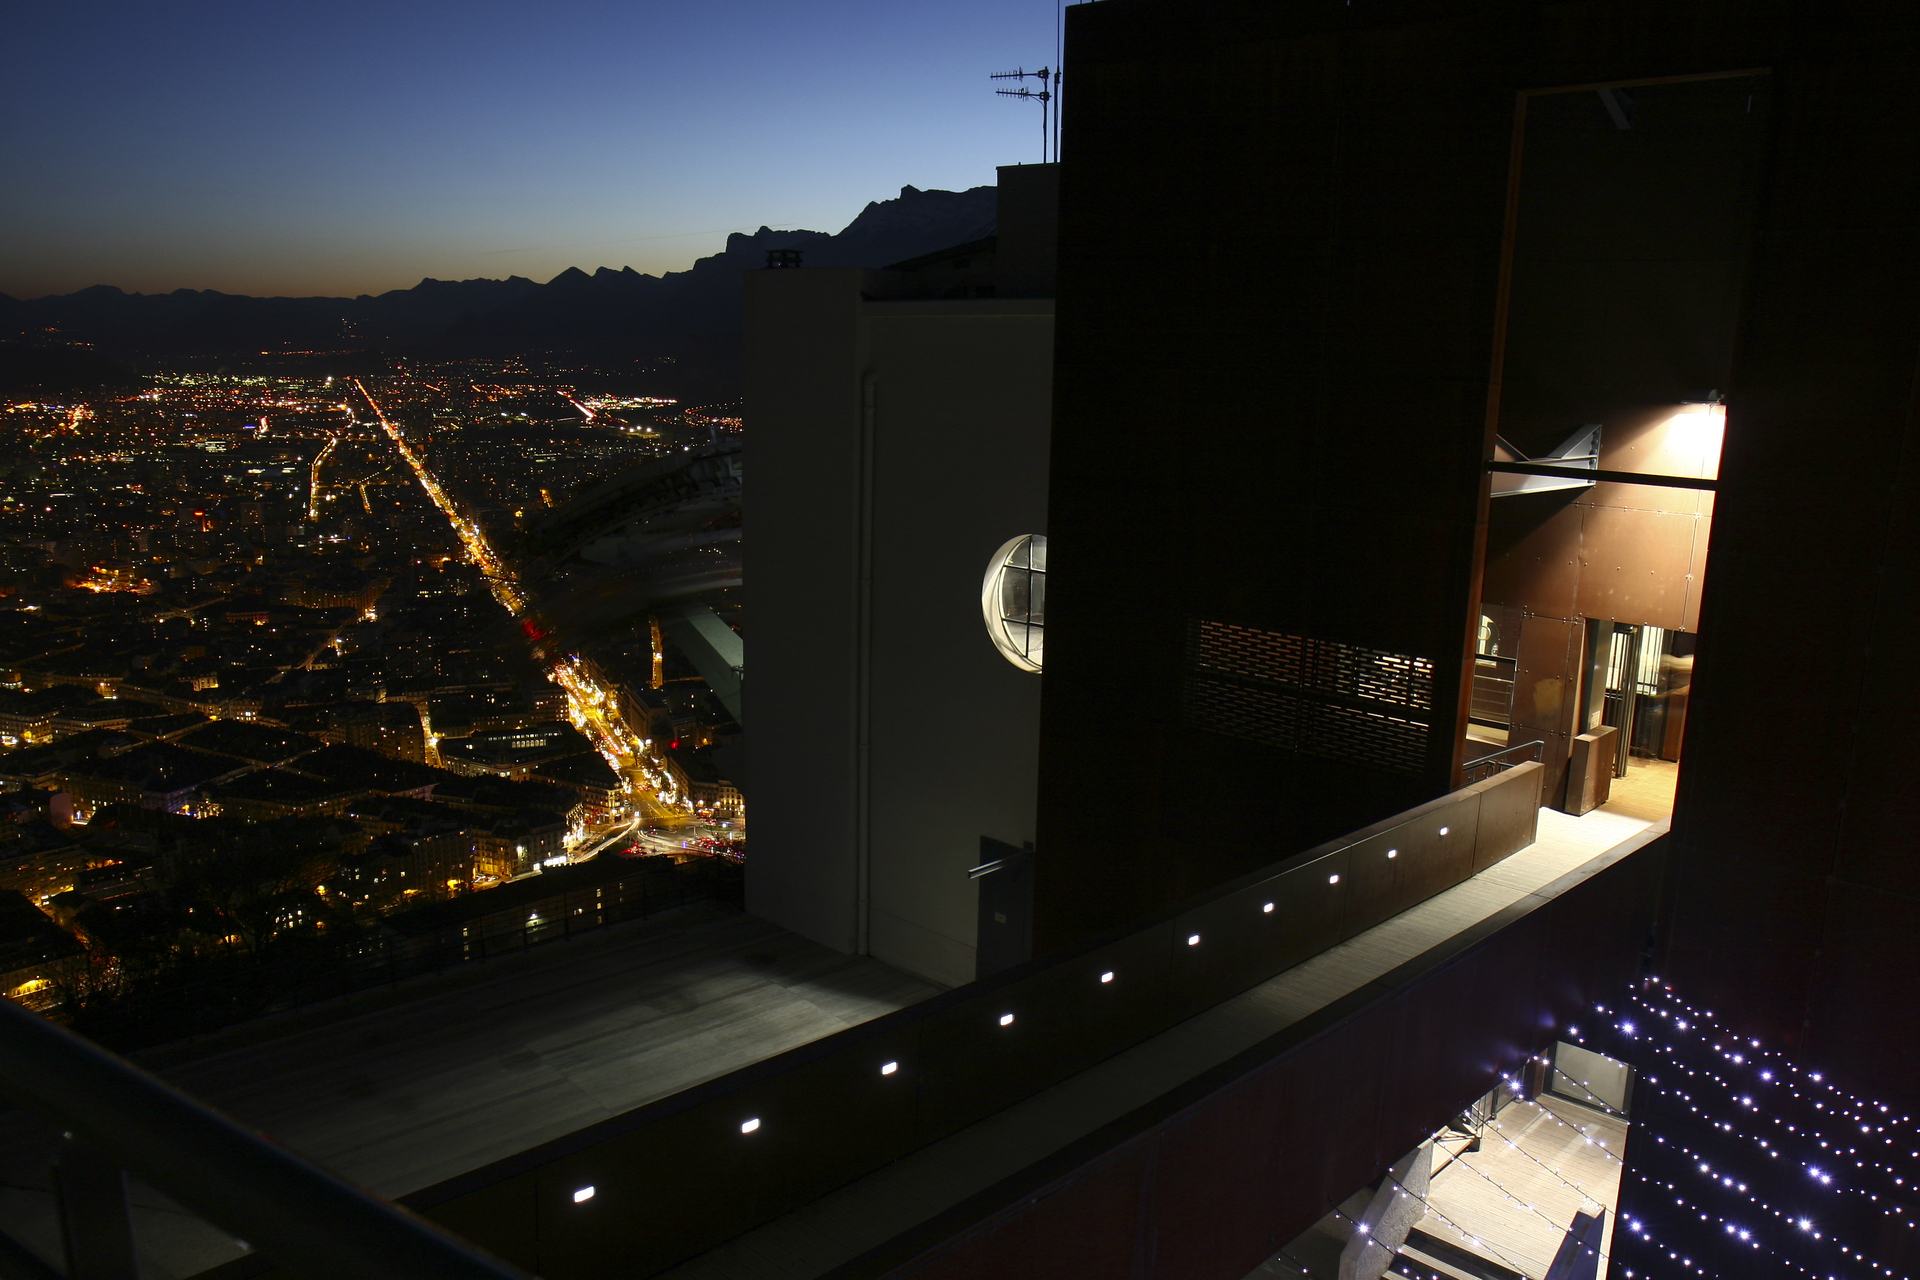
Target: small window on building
x=1013 y=599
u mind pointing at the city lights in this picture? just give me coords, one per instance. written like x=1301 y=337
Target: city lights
x=592 y=704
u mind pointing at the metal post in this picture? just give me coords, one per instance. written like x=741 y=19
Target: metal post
x=94 y=1223
x=1629 y=700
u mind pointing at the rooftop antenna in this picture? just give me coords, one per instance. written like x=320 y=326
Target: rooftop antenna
x=1043 y=96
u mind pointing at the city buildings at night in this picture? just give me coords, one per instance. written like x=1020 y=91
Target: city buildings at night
x=254 y=600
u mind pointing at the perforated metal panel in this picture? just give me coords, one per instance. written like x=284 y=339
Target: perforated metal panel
x=1321 y=666
x=1318 y=697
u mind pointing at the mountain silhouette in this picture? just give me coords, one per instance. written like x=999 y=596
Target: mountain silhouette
x=692 y=316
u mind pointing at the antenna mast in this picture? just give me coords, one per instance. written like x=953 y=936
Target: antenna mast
x=1043 y=95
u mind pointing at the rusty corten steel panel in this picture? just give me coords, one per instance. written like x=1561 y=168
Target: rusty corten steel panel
x=1092 y=1228
x=1533 y=560
x=1633 y=566
x=1546 y=690
x=1662 y=440
x=1295 y=1155
x=1696 y=574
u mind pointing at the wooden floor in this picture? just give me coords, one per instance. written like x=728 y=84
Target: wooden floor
x=1647 y=790
x=872 y=1210
x=1513 y=1200
x=401 y=1090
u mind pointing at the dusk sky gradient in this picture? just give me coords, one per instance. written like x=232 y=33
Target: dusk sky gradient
x=353 y=147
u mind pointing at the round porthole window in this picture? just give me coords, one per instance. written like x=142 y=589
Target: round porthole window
x=1013 y=598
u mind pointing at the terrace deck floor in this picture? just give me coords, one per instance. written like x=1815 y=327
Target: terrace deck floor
x=397 y=1091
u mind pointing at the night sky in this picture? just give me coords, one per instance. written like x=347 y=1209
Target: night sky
x=351 y=147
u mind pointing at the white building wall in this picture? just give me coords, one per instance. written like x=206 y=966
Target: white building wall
x=892 y=446
x=801 y=537
x=962 y=413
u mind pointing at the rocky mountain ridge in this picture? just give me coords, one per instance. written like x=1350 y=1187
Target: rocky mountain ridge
x=687 y=315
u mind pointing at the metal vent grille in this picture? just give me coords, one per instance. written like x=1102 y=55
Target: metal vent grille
x=1322 y=666
x=1317 y=697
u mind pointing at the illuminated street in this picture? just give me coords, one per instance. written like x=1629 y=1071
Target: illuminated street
x=313 y=484
x=593 y=705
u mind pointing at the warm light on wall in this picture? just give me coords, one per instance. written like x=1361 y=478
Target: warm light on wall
x=1697 y=431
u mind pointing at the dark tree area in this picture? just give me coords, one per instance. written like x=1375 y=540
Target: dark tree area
x=44 y=371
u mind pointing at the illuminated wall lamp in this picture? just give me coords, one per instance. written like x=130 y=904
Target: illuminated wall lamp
x=583 y=1195
x=1107 y=976
x=1268 y=909
x=748 y=1126
x=1393 y=853
x=1193 y=939
x=1333 y=879
x=888 y=1068
x=1443 y=831
x=1006 y=1019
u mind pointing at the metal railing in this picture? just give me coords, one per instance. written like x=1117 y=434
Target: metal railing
x=1500 y=761
x=117 y=1117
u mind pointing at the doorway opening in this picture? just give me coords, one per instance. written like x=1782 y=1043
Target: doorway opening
x=1636 y=681
x=1631 y=231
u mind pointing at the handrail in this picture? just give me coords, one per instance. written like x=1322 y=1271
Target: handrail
x=1534 y=746
x=306 y=1220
